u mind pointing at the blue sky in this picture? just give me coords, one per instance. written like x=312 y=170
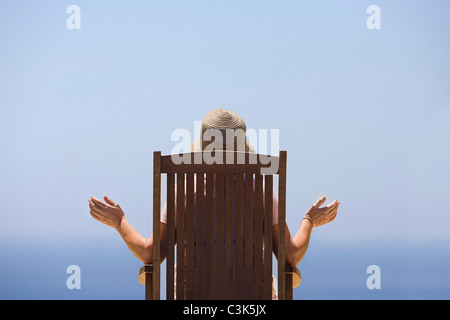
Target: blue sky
x=364 y=115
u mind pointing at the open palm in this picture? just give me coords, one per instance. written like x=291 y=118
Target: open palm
x=108 y=213
x=324 y=215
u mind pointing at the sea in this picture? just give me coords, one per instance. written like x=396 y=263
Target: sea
x=42 y=269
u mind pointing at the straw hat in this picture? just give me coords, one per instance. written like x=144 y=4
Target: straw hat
x=222 y=119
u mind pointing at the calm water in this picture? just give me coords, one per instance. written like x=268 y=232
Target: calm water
x=330 y=270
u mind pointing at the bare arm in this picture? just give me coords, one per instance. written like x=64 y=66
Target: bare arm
x=297 y=246
x=142 y=247
x=112 y=215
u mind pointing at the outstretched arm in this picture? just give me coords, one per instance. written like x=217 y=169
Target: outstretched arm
x=297 y=246
x=112 y=215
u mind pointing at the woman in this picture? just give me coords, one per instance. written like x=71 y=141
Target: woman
x=111 y=214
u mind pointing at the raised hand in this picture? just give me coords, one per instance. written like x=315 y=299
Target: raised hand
x=321 y=216
x=108 y=213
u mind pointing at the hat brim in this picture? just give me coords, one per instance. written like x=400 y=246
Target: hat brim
x=196 y=146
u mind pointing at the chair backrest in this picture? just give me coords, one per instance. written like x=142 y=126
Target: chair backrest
x=220 y=238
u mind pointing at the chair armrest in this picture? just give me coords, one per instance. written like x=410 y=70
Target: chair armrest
x=148 y=268
x=296 y=276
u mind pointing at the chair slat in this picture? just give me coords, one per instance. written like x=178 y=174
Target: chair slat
x=170 y=262
x=189 y=234
x=248 y=238
x=219 y=251
x=156 y=224
x=180 y=223
x=209 y=241
x=281 y=226
x=268 y=222
x=289 y=287
x=229 y=238
x=239 y=229
x=199 y=236
x=258 y=239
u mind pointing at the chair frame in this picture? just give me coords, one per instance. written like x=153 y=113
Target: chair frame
x=221 y=171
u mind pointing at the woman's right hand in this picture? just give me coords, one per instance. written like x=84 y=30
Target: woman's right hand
x=321 y=216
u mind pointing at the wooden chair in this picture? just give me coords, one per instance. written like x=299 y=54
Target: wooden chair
x=224 y=236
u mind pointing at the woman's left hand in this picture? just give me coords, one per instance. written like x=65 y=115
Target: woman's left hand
x=108 y=213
